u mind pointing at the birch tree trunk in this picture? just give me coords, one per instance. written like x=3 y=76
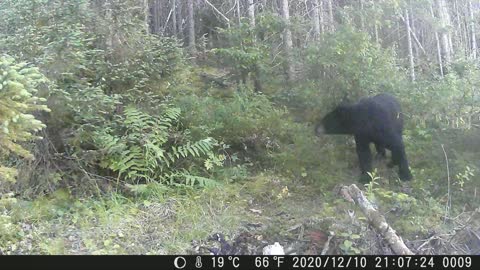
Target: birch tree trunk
x=287 y=41
x=316 y=19
x=331 y=25
x=251 y=13
x=109 y=19
x=239 y=14
x=191 y=26
x=362 y=22
x=180 y=34
x=174 y=17
x=444 y=34
x=409 y=44
x=257 y=84
x=375 y=24
x=439 y=47
x=320 y=9
x=472 y=30
x=412 y=33
x=146 y=14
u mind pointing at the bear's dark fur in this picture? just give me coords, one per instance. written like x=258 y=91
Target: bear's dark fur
x=377 y=120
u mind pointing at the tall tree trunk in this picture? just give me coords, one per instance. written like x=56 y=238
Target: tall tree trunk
x=257 y=84
x=439 y=47
x=375 y=24
x=251 y=13
x=466 y=34
x=287 y=41
x=316 y=19
x=412 y=33
x=472 y=30
x=409 y=44
x=459 y=29
x=362 y=22
x=180 y=34
x=239 y=13
x=191 y=26
x=174 y=18
x=155 y=27
x=444 y=34
x=320 y=9
x=331 y=25
x=109 y=19
x=146 y=14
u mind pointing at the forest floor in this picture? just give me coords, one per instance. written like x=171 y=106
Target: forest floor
x=304 y=215
x=232 y=218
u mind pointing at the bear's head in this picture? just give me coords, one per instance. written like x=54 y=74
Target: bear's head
x=338 y=121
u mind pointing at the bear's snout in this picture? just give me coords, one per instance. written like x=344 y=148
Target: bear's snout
x=320 y=130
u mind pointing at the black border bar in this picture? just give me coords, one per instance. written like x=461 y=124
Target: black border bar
x=231 y=262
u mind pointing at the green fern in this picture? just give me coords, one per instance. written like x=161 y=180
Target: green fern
x=141 y=148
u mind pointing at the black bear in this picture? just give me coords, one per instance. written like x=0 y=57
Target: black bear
x=377 y=120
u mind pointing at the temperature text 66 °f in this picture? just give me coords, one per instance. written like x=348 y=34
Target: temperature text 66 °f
x=265 y=262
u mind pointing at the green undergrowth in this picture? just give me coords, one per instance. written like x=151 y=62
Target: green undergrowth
x=157 y=219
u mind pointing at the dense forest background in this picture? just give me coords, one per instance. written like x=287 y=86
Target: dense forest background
x=146 y=127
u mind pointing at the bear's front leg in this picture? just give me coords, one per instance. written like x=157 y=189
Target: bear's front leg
x=399 y=158
x=364 y=158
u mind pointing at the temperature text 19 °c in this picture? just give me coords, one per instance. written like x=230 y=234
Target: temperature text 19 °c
x=220 y=262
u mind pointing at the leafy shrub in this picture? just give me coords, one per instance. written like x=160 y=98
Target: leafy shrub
x=347 y=62
x=101 y=63
x=248 y=49
x=451 y=102
x=248 y=122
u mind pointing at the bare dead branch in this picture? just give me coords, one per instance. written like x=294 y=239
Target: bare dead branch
x=378 y=222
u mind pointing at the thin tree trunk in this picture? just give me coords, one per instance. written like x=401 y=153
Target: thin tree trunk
x=472 y=30
x=218 y=12
x=322 y=23
x=412 y=32
x=174 y=18
x=414 y=36
x=257 y=84
x=287 y=41
x=439 y=47
x=409 y=44
x=316 y=19
x=191 y=26
x=362 y=22
x=466 y=35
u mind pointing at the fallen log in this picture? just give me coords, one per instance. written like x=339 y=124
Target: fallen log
x=377 y=220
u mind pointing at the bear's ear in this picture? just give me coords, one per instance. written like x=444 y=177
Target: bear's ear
x=345 y=99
